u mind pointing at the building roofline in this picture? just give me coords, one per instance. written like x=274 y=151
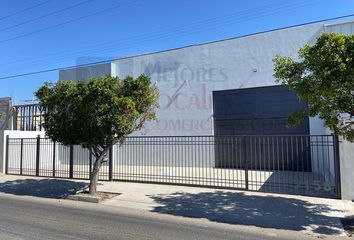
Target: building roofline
x=237 y=37
x=193 y=45
x=339 y=23
x=214 y=41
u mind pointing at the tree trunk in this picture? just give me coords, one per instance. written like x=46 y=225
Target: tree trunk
x=96 y=168
x=94 y=175
x=94 y=178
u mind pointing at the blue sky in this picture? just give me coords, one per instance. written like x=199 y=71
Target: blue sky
x=59 y=33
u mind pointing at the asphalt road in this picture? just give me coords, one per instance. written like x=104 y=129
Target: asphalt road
x=37 y=218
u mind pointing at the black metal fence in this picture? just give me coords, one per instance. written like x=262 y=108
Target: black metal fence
x=306 y=165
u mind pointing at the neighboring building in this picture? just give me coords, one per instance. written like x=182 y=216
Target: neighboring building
x=5 y=110
x=85 y=72
x=195 y=83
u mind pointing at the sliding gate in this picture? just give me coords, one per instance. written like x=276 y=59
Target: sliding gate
x=291 y=164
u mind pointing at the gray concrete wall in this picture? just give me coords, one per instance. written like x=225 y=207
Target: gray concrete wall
x=76 y=74
x=342 y=27
x=187 y=76
x=346 y=154
x=173 y=155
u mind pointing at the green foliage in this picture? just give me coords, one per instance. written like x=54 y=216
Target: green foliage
x=324 y=78
x=99 y=112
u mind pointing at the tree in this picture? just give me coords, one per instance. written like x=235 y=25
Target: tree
x=323 y=76
x=97 y=113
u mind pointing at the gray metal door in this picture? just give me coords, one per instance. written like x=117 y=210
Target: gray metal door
x=258 y=112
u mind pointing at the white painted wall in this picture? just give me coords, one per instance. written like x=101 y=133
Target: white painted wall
x=14 y=134
x=187 y=76
x=346 y=156
x=343 y=27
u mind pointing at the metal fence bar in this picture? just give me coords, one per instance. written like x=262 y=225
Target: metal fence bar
x=27 y=117
x=337 y=166
x=38 y=147
x=90 y=164
x=71 y=162
x=245 y=157
x=7 y=155
x=293 y=164
x=21 y=156
x=110 y=166
x=54 y=159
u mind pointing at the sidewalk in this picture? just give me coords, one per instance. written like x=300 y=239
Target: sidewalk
x=313 y=216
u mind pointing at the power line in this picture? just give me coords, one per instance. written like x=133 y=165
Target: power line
x=157 y=32
x=248 y=14
x=163 y=35
x=185 y=31
x=69 y=21
x=114 y=59
x=153 y=38
x=24 y=10
x=45 y=15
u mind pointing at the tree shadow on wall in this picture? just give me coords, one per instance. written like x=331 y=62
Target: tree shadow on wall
x=262 y=211
x=46 y=188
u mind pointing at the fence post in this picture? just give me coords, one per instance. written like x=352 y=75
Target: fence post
x=54 y=159
x=71 y=163
x=14 y=118
x=110 y=166
x=337 y=165
x=244 y=138
x=7 y=155
x=21 y=157
x=40 y=117
x=38 y=154
x=90 y=164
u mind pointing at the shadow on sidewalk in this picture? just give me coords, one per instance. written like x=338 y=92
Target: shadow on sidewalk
x=262 y=211
x=46 y=188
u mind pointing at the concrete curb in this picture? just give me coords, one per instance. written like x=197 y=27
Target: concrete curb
x=84 y=198
x=91 y=199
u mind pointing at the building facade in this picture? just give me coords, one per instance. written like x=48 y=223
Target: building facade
x=221 y=122
x=188 y=77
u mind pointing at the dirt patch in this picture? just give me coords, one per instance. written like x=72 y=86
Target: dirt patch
x=102 y=195
x=107 y=195
x=348 y=225
x=86 y=197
